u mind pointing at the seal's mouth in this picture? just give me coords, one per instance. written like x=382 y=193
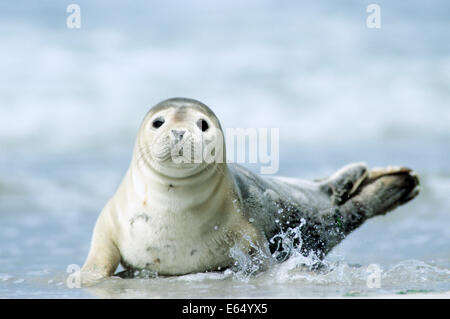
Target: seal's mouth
x=175 y=153
x=176 y=156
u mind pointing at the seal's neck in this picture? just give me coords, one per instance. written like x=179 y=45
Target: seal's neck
x=181 y=194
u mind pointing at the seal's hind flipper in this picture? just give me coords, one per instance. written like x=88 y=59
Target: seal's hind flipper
x=381 y=191
x=343 y=184
x=387 y=188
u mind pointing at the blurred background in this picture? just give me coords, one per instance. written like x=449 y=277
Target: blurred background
x=71 y=102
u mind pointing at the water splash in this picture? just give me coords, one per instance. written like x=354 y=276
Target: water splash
x=289 y=250
x=247 y=265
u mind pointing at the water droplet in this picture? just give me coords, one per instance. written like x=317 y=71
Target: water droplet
x=277 y=221
x=251 y=220
x=280 y=211
x=216 y=227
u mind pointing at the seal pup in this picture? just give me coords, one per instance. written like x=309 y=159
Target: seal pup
x=174 y=215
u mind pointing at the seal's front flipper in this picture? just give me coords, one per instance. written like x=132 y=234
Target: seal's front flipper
x=343 y=184
x=104 y=255
x=126 y=274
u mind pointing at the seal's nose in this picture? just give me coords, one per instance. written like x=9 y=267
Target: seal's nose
x=178 y=134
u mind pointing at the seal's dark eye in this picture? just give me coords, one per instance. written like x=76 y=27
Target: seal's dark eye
x=158 y=122
x=203 y=125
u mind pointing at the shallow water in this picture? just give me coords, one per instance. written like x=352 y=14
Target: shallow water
x=71 y=102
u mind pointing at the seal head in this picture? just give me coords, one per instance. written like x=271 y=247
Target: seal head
x=179 y=137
